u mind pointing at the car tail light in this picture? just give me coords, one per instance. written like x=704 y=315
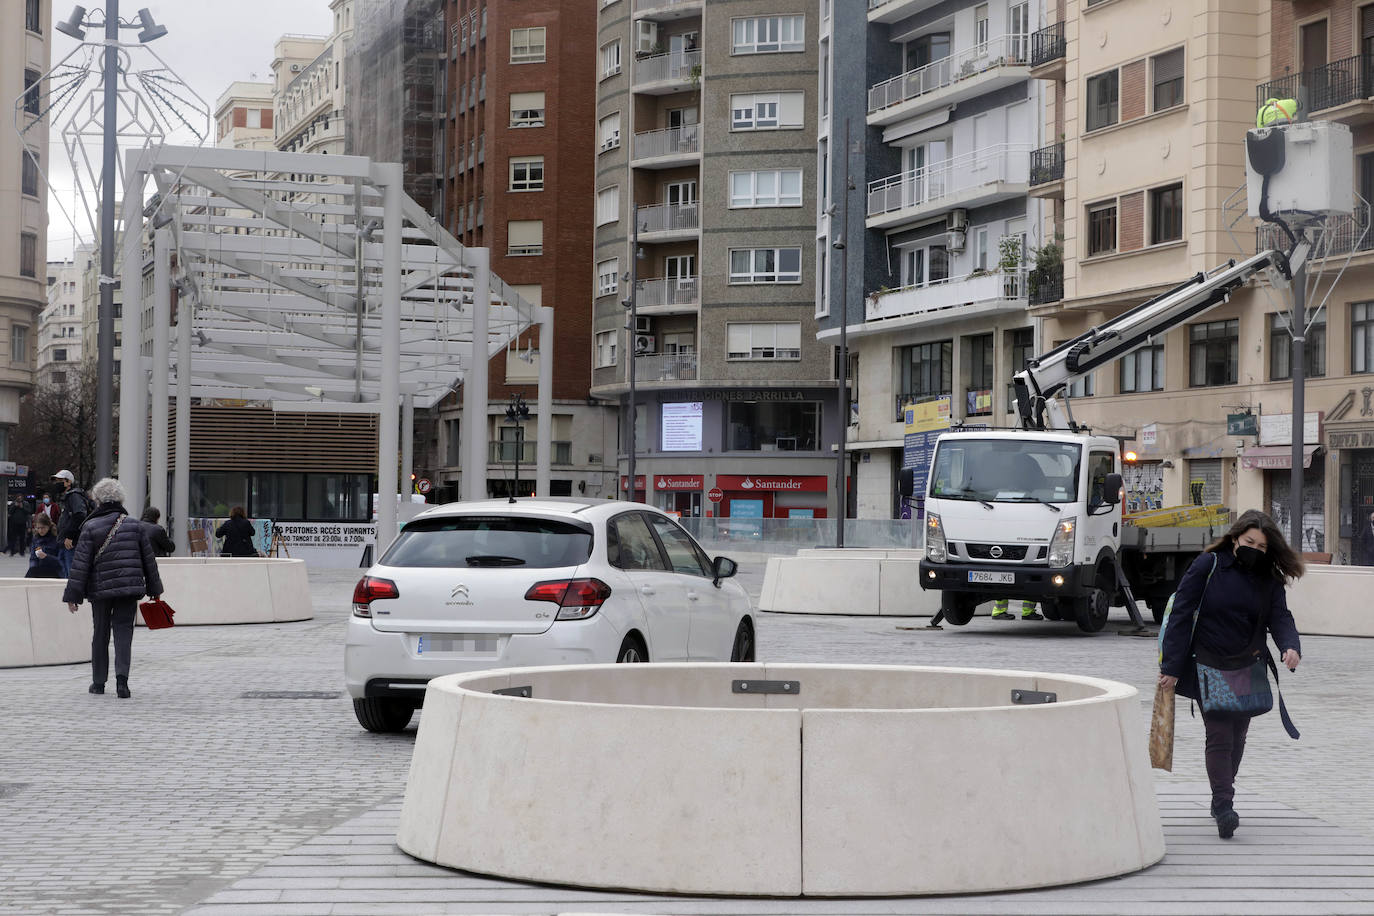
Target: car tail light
x=577 y=599
x=368 y=590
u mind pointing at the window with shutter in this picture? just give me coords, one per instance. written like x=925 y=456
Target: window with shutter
x=1167 y=79
x=525 y=237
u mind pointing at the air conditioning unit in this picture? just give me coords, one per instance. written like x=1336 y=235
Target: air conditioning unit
x=958 y=219
x=644 y=324
x=954 y=240
x=295 y=68
x=646 y=36
x=644 y=343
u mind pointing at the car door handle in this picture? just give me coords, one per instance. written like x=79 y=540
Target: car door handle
x=693 y=596
x=646 y=589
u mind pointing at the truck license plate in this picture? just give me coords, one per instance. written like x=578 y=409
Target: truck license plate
x=992 y=578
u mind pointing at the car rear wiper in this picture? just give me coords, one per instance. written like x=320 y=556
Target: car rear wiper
x=493 y=560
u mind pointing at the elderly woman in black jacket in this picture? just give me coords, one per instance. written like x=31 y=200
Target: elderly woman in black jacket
x=1232 y=592
x=113 y=566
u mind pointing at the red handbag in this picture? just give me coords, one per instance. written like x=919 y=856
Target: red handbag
x=157 y=614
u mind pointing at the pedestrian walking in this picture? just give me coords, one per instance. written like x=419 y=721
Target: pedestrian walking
x=75 y=505
x=113 y=567
x=237 y=532
x=163 y=545
x=1231 y=594
x=43 y=561
x=1364 y=542
x=16 y=524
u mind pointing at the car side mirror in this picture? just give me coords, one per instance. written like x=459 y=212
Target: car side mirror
x=1112 y=490
x=906 y=482
x=723 y=568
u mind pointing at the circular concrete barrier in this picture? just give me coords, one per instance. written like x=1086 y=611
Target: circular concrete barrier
x=219 y=590
x=782 y=780
x=37 y=628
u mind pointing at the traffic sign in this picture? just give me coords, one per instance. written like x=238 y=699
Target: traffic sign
x=423 y=484
x=715 y=494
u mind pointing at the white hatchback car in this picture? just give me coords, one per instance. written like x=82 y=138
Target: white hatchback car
x=556 y=581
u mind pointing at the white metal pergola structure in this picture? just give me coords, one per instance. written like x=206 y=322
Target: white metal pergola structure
x=311 y=283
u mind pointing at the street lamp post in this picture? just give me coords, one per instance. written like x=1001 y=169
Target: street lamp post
x=150 y=31
x=516 y=414
x=631 y=302
x=842 y=383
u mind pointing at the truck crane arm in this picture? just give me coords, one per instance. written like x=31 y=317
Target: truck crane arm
x=1046 y=376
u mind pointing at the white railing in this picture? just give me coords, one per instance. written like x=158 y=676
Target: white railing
x=642 y=5
x=939 y=295
x=671 y=141
x=668 y=291
x=1007 y=162
x=665 y=367
x=668 y=217
x=1005 y=50
x=674 y=65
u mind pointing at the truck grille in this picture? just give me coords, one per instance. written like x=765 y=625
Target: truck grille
x=1004 y=551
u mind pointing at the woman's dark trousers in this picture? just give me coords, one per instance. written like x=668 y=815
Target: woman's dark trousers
x=117 y=615
x=1225 y=746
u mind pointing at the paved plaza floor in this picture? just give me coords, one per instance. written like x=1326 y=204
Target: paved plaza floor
x=195 y=796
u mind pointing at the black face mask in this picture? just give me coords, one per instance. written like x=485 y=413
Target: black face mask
x=1252 y=558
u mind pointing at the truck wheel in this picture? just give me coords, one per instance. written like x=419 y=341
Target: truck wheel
x=1091 y=611
x=1157 y=606
x=958 y=609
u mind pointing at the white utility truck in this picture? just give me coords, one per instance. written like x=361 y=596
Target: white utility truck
x=1035 y=512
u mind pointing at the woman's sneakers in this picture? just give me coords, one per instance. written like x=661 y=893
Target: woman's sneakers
x=96 y=688
x=1227 y=820
x=122 y=691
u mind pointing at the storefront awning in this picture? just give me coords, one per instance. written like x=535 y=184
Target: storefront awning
x=1275 y=457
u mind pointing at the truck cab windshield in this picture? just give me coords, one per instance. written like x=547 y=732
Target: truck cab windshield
x=1006 y=470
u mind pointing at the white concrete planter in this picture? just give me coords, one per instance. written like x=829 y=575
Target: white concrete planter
x=858 y=582
x=869 y=781
x=1327 y=601
x=38 y=629
x=217 y=590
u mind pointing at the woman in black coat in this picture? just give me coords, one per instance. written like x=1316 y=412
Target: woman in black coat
x=113 y=565
x=237 y=532
x=1227 y=598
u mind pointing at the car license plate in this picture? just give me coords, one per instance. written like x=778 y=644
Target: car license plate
x=992 y=578
x=463 y=643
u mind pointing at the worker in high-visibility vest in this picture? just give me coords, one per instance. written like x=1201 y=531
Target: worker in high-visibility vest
x=1277 y=110
x=1028 y=612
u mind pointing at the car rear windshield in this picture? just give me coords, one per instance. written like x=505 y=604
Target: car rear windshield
x=490 y=541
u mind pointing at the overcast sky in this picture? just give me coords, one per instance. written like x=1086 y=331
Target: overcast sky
x=209 y=44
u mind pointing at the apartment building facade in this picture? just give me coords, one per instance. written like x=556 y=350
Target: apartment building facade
x=1151 y=106
x=59 y=326
x=516 y=178
x=705 y=198
x=25 y=51
x=309 y=90
x=929 y=199
x=244 y=116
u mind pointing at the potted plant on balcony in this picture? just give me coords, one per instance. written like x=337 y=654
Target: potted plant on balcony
x=1009 y=263
x=1048 y=274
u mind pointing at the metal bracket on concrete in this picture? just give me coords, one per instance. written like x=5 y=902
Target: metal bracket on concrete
x=792 y=687
x=525 y=692
x=1032 y=697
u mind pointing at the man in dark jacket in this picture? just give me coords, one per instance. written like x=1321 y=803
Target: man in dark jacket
x=17 y=523
x=163 y=545
x=113 y=566
x=75 y=506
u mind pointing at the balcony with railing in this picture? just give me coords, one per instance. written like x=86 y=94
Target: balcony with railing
x=975 y=179
x=1048 y=52
x=667 y=9
x=1047 y=171
x=974 y=71
x=660 y=74
x=1344 y=235
x=665 y=367
x=666 y=295
x=1341 y=90
x=668 y=222
x=505 y=452
x=667 y=148
x=895 y=10
x=951 y=299
x=1045 y=285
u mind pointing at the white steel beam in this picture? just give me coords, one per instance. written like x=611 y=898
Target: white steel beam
x=162 y=317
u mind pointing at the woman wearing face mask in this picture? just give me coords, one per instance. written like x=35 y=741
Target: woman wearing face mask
x=1248 y=568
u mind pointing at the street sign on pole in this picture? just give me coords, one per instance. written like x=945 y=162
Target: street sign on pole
x=423 y=485
x=715 y=494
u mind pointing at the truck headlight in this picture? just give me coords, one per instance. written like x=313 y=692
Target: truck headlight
x=1062 y=544
x=936 y=551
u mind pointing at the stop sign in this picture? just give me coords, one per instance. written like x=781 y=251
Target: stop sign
x=715 y=494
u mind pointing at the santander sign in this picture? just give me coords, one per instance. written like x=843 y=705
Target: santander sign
x=772 y=484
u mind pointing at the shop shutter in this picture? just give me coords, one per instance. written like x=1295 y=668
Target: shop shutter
x=1208 y=472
